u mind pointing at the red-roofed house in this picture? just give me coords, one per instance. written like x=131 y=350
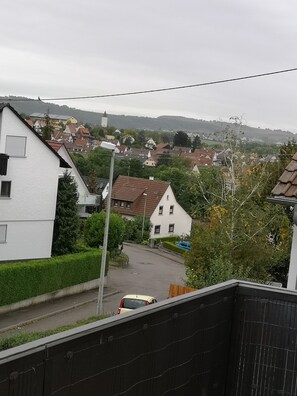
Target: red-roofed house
x=83 y=133
x=154 y=199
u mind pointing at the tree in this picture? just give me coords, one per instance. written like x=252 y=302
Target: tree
x=181 y=139
x=236 y=239
x=94 y=231
x=133 y=229
x=66 y=226
x=196 y=143
x=92 y=182
x=48 y=129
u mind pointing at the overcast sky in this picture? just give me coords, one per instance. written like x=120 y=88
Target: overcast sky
x=59 y=48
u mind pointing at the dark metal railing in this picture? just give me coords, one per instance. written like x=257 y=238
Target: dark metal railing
x=235 y=338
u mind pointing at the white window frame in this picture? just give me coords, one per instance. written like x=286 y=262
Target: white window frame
x=159 y=229
x=171 y=228
x=5 y=196
x=171 y=209
x=3 y=233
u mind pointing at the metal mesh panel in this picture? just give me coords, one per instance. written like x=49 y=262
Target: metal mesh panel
x=264 y=359
x=232 y=340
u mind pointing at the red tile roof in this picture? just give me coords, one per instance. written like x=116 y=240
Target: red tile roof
x=30 y=122
x=287 y=183
x=131 y=189
x=55 y=145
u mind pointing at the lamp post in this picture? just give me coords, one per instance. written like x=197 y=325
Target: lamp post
x=108 y=146
x=142 y=229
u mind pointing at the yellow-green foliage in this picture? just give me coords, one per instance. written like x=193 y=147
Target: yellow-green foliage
x=23 y=280
x=172 y=246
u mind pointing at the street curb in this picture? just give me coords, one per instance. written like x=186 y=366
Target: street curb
x=58 y=311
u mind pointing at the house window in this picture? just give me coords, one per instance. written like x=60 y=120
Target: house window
x=167 y=197
x=116 y=203
x=122 y=204
x=16 y=146
x=3 y=233
x=157 y=229
x=5 y=189
x=171 y=228
x=171 y=209
x=128 y=205
x=160 y=210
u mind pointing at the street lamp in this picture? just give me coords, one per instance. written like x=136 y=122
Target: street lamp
x=142 y=230
x=108 y=146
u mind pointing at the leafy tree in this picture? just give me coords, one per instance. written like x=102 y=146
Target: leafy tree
x=237 y=238
x=130 y=167
x=140 y=139
x=25 y=116
x=222 y=249
x=133 y=229
x=164 y=159
x=181 y=139
x=66 y=225
x=92 y=182
x=98 y=132
x=82 y=163
x=286 y=153
x=94 y=231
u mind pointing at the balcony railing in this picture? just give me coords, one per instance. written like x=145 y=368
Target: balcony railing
x=233 y=339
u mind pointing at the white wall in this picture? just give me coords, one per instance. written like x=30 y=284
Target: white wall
x=30 y=211
x=85 y=197
x=181 y=220
x=27 y=240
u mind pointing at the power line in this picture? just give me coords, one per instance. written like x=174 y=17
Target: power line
x=228 y=80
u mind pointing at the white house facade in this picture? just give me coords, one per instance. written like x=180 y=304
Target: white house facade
x=153 y=199
x=28 y=190
x=169 y=218
x=86 y=200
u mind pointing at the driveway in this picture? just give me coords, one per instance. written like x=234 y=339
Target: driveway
x=150 y=271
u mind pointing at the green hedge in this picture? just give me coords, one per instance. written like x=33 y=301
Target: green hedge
x=172 y=246
x=23 y=280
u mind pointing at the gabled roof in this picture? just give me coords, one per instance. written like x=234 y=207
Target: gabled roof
x=132 y=189
x=285 y=192
x=63 y=163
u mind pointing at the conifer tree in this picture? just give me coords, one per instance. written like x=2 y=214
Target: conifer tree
x=66 y=226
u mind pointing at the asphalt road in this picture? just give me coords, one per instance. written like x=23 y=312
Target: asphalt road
x=150 y=271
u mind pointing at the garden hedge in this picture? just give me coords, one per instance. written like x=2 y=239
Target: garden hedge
x=174 y=247
x=23 y=280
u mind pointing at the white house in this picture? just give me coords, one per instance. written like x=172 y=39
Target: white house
x=153 y=199
x=28 y=189
x=87 y=201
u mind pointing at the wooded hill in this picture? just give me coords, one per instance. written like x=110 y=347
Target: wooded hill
x=162 y=123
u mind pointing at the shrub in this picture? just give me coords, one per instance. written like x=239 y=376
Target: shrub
x=20 y=281
x=172 y=246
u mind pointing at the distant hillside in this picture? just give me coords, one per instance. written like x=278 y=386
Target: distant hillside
x=162 y=123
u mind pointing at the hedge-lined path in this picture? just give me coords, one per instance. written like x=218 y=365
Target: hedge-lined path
x=150 y=271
